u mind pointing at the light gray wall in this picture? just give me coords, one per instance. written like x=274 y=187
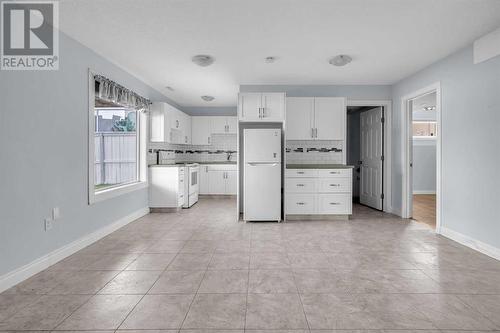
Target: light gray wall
x=424 y=167
x=470 y=144
x=211 y=111
x=349 y=91
x=43 y=143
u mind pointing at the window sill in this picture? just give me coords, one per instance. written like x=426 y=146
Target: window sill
x=116 y=191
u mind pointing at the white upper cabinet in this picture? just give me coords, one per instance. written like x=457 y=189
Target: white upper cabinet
x=299 y=118
x=232 y=125
x=329 y=118
x=168 y=124
x=219 y=125
x=260 y=107
x=200 y=127
x=316 y=118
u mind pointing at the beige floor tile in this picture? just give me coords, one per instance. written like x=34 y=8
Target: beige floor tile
x=227 y=281
x=236 y=260
x=271 y=282
x=159 y=312
x=151 y=262
x=44 y=314
x=199 y=246
x=112 y=262
x=487 y=305
x=217 y=311
x=83 y=282
x=178 y=282
x=11 y=303
x=101 y=312
x=269 y=260
x=275 y=311
x=309 y=260
x=466 y=281
x=131 y=282
x=190 y=261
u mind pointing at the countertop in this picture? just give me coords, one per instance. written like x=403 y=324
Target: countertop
x=181 y=164
x=319 y=166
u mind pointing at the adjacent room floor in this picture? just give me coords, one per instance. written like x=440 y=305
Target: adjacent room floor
x=424 y=209
x=199 y=269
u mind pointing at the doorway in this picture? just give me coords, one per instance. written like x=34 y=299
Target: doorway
x=422 y=156
x=368 y=151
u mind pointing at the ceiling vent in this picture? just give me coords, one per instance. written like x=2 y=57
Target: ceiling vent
x=203 y=60
x=340 y=60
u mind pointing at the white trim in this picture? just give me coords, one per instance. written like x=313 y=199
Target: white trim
x=472 y=243
x=142 y=166
x=424 y=192
x=387 y=104
x=22 y=273
x=407 y=142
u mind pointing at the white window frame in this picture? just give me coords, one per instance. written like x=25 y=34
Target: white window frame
x=118 y=190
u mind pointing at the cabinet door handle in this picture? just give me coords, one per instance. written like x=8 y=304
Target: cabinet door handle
x=312 y=132
x=176 y=124
x=334 y=173
x=208 y=140
x=263 y=112
x=334 y=203
x=334 y=184
x=300 y=185
x=301 y=203
x=316 y=132
x=300 y=172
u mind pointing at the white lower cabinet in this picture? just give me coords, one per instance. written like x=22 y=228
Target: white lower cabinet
x=318 y=191
x=218 y=179
x=166 y=187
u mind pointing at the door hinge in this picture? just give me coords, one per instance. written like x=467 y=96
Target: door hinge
x=382 y=196
x=382 y=158
x=382 y=120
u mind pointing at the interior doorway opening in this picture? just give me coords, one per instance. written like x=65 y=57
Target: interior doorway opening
x=366 y=152
x=422 y=156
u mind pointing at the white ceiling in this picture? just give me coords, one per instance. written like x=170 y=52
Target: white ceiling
x=388 y=39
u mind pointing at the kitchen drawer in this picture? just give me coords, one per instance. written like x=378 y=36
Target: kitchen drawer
x=300 y=185
x=333 y=185
x=299 y=203
x=180 y=199
x=294 y=173
x=327 y=173
x=334 y=204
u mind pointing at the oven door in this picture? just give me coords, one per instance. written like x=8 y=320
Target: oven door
x=194 y=173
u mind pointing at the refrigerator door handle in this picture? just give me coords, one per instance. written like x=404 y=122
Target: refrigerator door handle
x=262 y=163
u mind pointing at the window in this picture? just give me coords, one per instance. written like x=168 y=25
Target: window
x=116 y=147
x=117 y=140
x=424 y=129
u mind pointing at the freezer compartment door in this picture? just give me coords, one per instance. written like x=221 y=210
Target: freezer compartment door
x=262 y=145
x=262 y=192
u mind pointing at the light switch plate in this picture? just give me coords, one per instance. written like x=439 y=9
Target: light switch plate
x=48 y=224
x=56 y=213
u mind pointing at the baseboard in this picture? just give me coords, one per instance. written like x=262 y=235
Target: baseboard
x=424 y=192
x=22 y=273
x=474 y=244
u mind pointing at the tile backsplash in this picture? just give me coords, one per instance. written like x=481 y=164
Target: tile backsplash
x=314 y=152
x=222 y=145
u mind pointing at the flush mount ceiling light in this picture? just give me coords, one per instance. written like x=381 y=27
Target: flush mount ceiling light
x=340 y=60
x=429 y=108
x=270 y=60
x=203 y=60
x=207 y=98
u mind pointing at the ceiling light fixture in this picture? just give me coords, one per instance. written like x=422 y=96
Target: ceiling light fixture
x=270 y=60
x=203 y=60
x=429 y=108
x=207 y=98
x=340 y=60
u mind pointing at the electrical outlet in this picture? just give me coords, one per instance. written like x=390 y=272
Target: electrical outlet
x=56 y=213
x=48 y=224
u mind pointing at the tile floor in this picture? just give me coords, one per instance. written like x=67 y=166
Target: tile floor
x=199 y=270
x=424 y=209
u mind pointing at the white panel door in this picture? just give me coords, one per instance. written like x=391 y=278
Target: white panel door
x=249 y=106
x=216 y=182
x=329 y=118
x=299 y=118
x=262 y=197
x=231 y=182
x=218 y=125
x=273 y=107
x=371 y=158
x=204 y=183
x=200 y=128
x=262 y=145
x=232 y=125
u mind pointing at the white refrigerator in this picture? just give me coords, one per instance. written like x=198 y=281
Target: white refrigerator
x=262 y=174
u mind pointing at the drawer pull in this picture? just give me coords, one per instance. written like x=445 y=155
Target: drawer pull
x=334 y=203
x=300 y=172
x=334 y=172
x=300 y=185
x=334 y=185
x=301 y=203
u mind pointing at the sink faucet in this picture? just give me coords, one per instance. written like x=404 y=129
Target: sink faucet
x=229 y=154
